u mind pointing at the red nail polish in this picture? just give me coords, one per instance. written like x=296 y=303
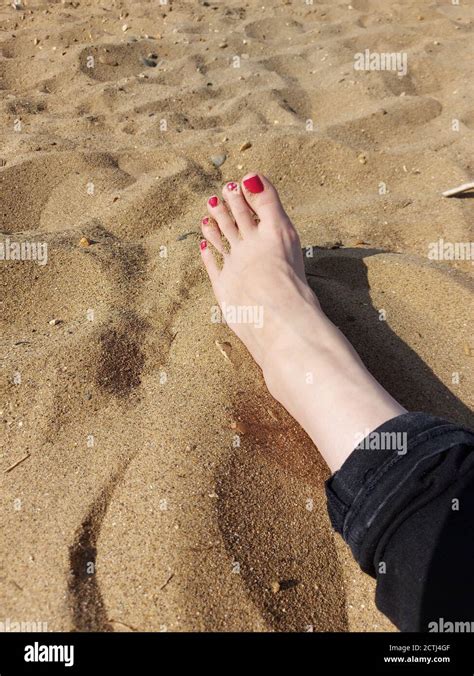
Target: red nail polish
x=213 y=201
x=203 y=244
x=232 y=186
x=205 y=221
x=254 y=184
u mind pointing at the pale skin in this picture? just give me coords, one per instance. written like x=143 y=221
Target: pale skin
x=307 y=363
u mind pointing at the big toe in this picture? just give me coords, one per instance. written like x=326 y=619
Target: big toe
x=263 y=197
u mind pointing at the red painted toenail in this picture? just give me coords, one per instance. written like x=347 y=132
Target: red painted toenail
x=213 y=201
x=203 y=245
x=254 y=184
x=232 y=186
x=205 y=221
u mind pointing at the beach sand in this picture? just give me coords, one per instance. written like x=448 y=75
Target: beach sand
x=162 y=488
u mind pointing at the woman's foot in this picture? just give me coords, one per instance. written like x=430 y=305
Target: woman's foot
x=308 y=365
x=263 y=269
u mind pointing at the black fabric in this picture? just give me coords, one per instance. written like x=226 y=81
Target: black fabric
x=408 y=517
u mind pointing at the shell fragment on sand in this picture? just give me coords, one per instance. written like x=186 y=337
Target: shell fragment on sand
x=460 y=189
x=225 y=349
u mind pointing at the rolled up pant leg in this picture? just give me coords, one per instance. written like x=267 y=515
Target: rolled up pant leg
x=407 y=513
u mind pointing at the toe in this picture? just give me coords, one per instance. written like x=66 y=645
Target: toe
x=239 y=208
x=218 y=210
x=209 y=261
x=264 y=199
x=212 y=233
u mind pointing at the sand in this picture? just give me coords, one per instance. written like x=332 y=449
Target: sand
x=138 y=505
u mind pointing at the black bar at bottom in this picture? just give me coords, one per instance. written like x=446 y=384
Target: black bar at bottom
x=77 y=653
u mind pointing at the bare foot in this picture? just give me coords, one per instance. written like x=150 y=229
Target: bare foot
x=264 y=268
x=262 y=290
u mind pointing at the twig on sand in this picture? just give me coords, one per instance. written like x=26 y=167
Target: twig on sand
x=461 y=188
x=123 y=624
x=13 y=582
x=167 y=582
x=15 y=464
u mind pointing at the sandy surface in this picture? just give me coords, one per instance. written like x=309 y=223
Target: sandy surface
x=135 y=509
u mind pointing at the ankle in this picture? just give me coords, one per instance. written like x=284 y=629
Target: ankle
x=296 y=352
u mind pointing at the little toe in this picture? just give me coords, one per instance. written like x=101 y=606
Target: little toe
x=209 y=261
x=212 y=233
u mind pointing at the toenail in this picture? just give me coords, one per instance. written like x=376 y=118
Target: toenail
x=203 y=244
x=254 y=184
x=232 y=186
x=213 y=201
x=205 y=221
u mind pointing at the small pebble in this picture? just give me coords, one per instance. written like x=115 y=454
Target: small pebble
x=245 y=146
x=125 y=27
x=108 y=60
x=218 y=160
x=149 y=62
x=54 y=322
x=362 y=159
x=239 y=426
x=85 y=241
x=275 y=587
